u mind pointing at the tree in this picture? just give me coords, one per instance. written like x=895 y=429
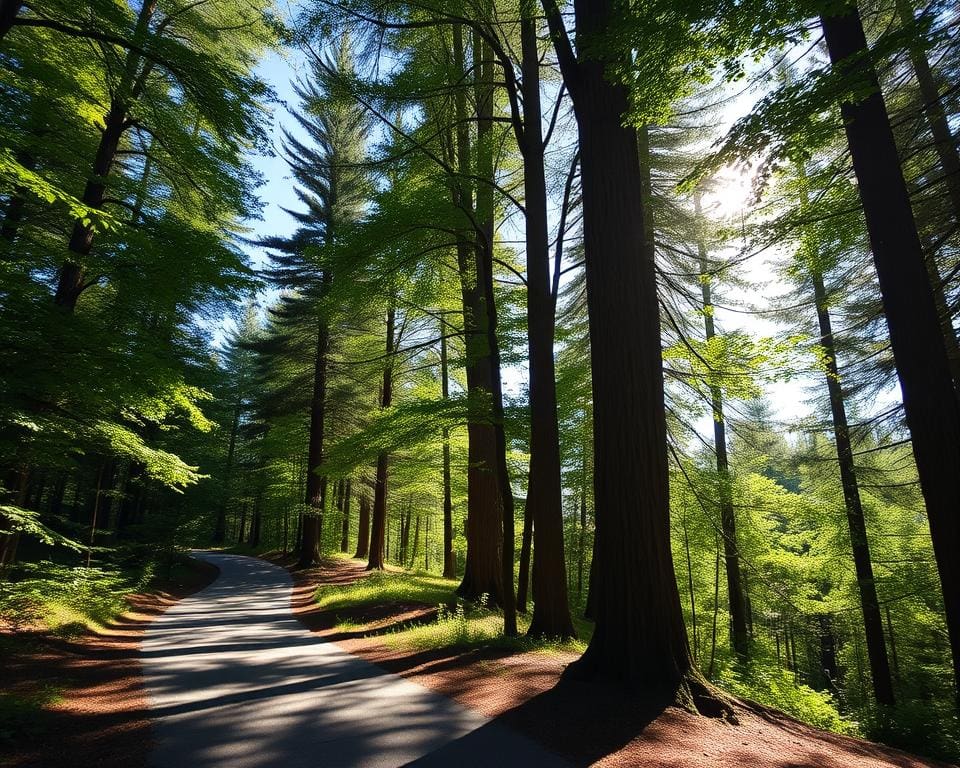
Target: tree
x=932 y=410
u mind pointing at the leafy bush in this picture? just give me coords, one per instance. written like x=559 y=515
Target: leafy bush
x=925 y=727
x=775 y=687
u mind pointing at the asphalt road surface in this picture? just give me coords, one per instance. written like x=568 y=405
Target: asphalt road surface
x=234 y=680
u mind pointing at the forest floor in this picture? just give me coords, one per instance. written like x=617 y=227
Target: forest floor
x=79 y=700
x=524 y=690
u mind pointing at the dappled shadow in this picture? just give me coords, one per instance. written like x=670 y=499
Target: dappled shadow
x=102 y=718
x=234 y=680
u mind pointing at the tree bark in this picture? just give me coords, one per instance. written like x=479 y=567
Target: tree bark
x=551 y=609
x=483 y=571
x=379 y=523
x=930 y=404
x=946 y=148
x=449 y=564
x=639 y=637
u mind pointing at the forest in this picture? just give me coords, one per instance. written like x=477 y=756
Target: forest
x=626 y=327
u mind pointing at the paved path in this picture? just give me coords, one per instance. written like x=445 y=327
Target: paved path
x=234 y=680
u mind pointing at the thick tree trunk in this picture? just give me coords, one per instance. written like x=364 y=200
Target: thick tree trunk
x=483 y=574
x=551 y=609
x=639 y=637
x=728 y=521
x=449 y=564
x=949 y=158
x=931 y=407
x=379 y=523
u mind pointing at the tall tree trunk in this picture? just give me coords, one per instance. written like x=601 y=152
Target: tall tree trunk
x=949 y=158
x=929 y=400
x=866 y=585
x=316 y=484
x=379 y=523
x=639 y=637
x=483 y=571
x=728 y=521
x=551 y=609
x=345 y=510
x=449 y=565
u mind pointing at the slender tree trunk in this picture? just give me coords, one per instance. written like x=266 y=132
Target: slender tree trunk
x=316 y=484
x=856 y=522
x=220 y=528
x=405 y=518
x=551 y=609
x=416 y=542
x=71 y=280
x=93 y=515
x=363 y=527
x=716 y=611
x=582 y=540
x=728 y=521
x=931 y=407
x=693 y=599
x=345 y=509
x=241 y=531
x=828 y=651
x=8 y=14
x=449 y=565
x=526 y=545
x=379 y=523
x=639 y=637
x=9 y=541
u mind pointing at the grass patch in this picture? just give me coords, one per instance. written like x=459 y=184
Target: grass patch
x=458 y=624
x=387 y=588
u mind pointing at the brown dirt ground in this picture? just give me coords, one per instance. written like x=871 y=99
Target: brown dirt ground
x=101 y=719
x=525 y=691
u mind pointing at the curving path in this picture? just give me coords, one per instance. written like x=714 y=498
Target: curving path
x=234 y=680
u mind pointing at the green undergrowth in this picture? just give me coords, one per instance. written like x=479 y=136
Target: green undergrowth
x=458 y=624
x=68 y=600
x=777 y=688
